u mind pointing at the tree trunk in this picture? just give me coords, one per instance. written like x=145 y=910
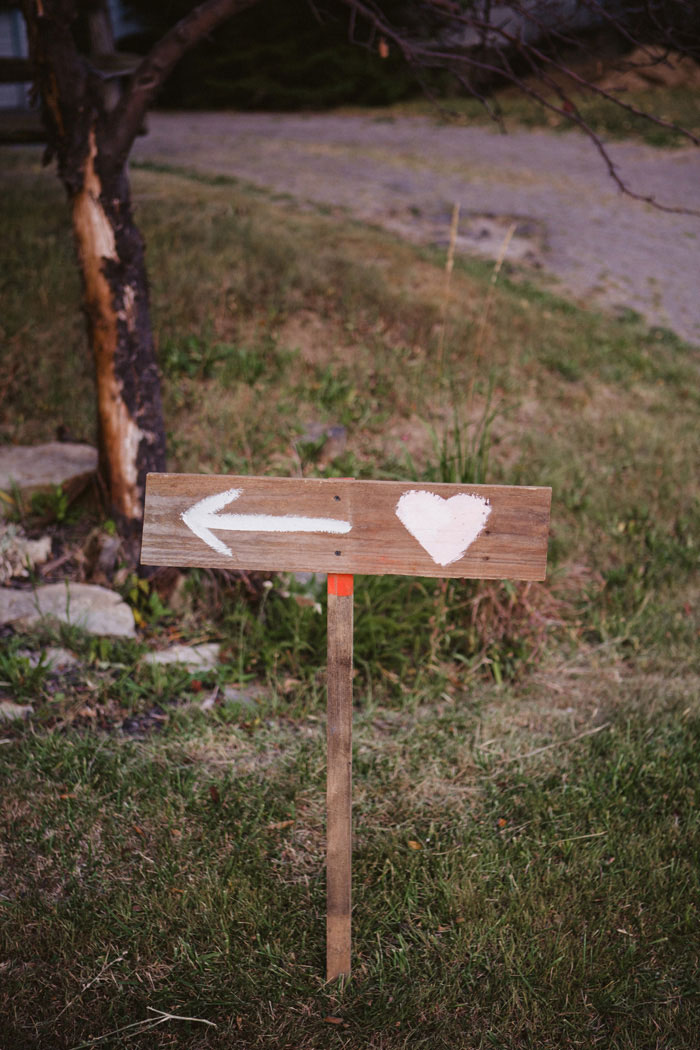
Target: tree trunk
x=131 y=430
x=130 y=425
x=91 y=136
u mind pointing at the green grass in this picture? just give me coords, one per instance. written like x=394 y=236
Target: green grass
x=550 y=901
x=526 y=758
x=677 y=108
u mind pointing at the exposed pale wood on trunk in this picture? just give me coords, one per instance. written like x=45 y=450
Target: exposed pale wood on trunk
x=95 y=239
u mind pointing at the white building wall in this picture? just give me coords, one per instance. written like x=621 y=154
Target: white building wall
x=13 y=43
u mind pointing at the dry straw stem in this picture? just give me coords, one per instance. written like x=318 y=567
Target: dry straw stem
x=479 y=345
x=449 y=266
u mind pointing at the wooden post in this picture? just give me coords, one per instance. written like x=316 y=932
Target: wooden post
x=339 y=782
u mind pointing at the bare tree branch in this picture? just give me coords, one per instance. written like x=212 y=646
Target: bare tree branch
x=502 y=43
x=155 y=68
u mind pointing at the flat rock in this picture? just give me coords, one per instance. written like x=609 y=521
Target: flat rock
x=10 y=712
x=92 y=608
x=248 y=697
x=18 y=554
x=54 y=657
x=43 y=468
x=203 y=657
x=59 y=659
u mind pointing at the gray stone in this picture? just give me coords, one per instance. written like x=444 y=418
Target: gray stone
x=18 y=554
x=94 y=609
x=59 y=659
x=10 y=712
x=54 y=657
x=203 y=657
x=102 y=552
x=42 y=468
x=248 y=697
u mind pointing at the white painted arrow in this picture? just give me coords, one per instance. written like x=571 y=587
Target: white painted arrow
x=205 y=515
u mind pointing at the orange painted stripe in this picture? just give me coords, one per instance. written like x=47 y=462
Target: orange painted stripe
x=341 y=584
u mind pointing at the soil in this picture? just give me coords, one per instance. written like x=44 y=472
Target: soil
x=550 y=194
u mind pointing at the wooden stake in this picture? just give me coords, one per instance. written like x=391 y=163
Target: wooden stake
x=339 y=789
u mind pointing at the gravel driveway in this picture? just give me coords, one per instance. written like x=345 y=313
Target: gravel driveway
x=572 y=224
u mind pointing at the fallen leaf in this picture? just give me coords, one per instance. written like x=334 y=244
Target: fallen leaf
x=412 y=844
x=214 y=793
x=502 y=822
x=279 y=825
x=333 y=1020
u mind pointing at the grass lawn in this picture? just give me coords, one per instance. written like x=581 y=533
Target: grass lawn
x=526 y=758
x=674 y=111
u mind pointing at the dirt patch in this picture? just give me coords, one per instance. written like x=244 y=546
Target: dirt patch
x=489 y=236
x=549 y=195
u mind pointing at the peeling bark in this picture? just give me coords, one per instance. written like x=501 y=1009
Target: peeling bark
x=116 y=302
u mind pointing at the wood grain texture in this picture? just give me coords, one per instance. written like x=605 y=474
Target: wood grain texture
x=339 y=777
x=512 y=545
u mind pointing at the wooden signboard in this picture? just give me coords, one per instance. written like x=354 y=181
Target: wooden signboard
x=327 y=525
x=342 y=527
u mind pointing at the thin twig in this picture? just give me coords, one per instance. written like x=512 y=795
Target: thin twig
x=85 y=987
x=492 y=288
x=449 y=265
x=504 y=43
x=178 y=1017
x=146 y=1025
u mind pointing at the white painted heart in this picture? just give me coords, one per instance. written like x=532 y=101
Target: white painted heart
x=445 y=528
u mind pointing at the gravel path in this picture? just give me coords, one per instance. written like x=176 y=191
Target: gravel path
x=571 y=222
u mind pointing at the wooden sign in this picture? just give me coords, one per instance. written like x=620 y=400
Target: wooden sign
x=342 y=527
x=345 y=526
